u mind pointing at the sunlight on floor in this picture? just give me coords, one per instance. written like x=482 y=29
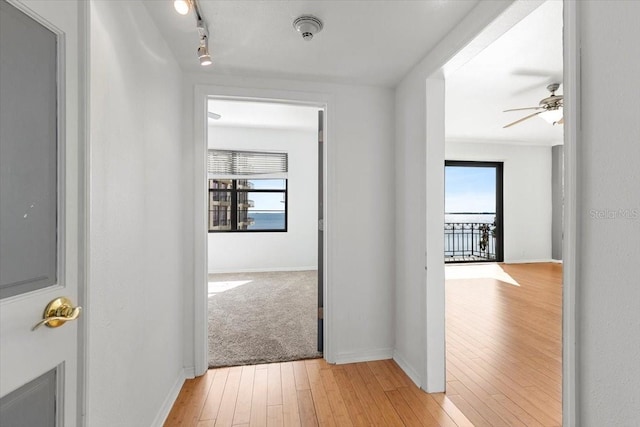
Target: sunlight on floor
x=478 y=271
x=218 y=287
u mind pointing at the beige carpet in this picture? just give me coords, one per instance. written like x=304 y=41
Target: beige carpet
x=262 y=317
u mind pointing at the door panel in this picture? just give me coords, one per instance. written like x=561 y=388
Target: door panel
x=33 y=404
x=40 y=209
x=28 y=154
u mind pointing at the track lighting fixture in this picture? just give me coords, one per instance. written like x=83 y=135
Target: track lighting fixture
x=182 y=6
x=203 y=52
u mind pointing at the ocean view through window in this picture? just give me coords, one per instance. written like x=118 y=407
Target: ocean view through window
x=473 y=211
x=245 y=205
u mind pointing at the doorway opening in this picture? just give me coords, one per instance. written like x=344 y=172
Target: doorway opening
x=503 y=327
x=473 y=212
x=264 y=243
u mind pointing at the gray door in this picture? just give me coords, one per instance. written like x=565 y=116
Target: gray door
x=39 y=212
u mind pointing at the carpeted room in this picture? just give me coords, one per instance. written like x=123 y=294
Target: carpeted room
x=262 y=240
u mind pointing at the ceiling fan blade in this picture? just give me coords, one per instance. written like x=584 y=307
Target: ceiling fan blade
x=520 y=109
x=214 y=116
x=522 y=119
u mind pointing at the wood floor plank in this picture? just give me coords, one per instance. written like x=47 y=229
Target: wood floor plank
x=451 y=410
x=229 y=398
x=320 y=399
x=242 y=413
x=300 y=373
x=290 y=412
x=259 y=398
x=409 y=418
x=357 y=411
x=201 y=388
x=338 y=407
x=214 y=398
x=366 y=399
x=274 y=385
x=382 y=375
x=421 y=410
x=399 y=377
x=522 y=415
x=176 y=415
x=389 y=414
x=274 y=416
x=307 y=409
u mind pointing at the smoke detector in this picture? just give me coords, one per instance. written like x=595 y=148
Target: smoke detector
x=308 y=26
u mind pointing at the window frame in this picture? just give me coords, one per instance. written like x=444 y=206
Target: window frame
x=234 y=192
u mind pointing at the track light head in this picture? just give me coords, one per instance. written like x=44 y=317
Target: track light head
x=203 y=52
x=182 y=6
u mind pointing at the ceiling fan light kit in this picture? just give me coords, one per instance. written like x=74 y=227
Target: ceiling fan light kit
x=551 y=107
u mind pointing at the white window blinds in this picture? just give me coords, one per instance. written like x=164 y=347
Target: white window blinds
x=226 y=163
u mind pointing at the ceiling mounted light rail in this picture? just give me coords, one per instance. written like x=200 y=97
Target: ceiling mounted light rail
x=308 y=26
x=183 y=7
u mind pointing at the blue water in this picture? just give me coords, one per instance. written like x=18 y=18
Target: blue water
x=267 y=221
x=481 y=218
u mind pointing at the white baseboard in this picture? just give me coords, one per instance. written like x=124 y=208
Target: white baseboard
x=527 y=261
x=364 y=356
x=263 y=270
x=163 y=413
x=407 y=368
x=557 y=261
x=190 y=373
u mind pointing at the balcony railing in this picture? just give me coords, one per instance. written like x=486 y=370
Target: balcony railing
x=469 y=241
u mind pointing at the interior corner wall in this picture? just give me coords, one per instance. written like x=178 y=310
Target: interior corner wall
x=526 y=195
x=607 y=290
x=134 y=354
x=360 y=208
x=295 y=249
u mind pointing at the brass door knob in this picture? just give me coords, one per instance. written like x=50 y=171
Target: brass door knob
x=57 y=312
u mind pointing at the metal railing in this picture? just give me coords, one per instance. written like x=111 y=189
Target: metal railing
x=469 y=241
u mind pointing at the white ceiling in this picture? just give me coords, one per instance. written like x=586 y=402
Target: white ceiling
x=365 y=42
x=377 y=43
x=513 y=72
x=263 y=115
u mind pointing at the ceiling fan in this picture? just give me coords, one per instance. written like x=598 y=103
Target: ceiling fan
x=551 y=103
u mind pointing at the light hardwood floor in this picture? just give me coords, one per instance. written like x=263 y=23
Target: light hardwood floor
x=504 y=347
x=311 y=393
x=503 y=369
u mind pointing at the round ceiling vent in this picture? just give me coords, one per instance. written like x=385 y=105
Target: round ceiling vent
x=307 y=25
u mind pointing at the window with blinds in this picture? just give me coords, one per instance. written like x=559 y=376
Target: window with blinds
x=247 y=191
x=246 y=163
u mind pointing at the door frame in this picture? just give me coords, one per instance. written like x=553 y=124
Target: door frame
x=434 y=343
x=200 y=137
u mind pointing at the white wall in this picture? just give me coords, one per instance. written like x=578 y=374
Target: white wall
x=360 y=210
x=297 y=249
x=136 y=273
x=526 y=195
x=419 y=322
x=608 y=289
